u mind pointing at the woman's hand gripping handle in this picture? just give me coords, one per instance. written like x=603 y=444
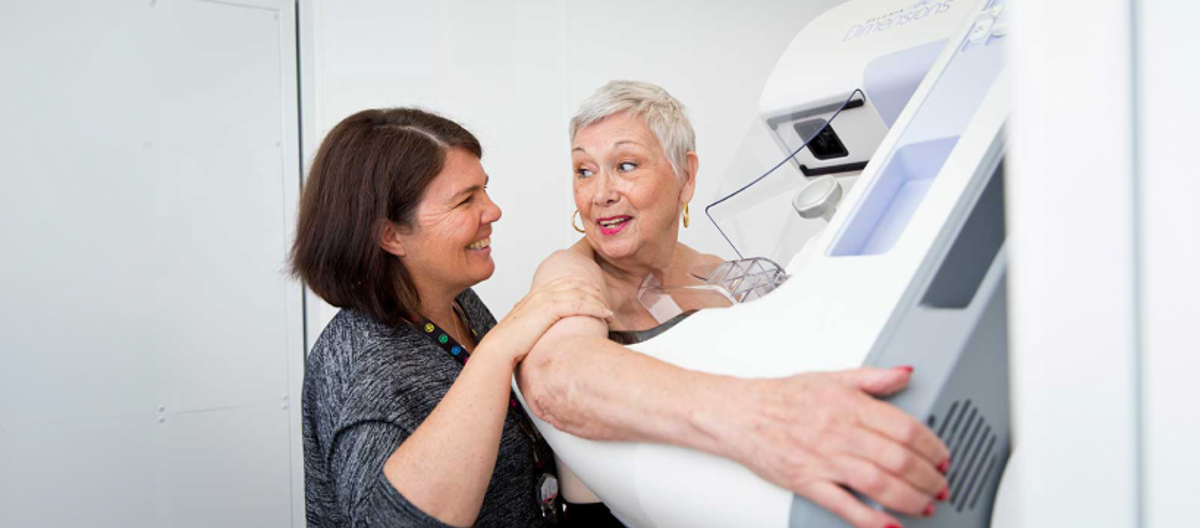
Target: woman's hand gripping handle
x=823 y=434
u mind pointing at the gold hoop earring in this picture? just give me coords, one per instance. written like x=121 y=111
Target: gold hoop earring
x=577 y=228
x=687 y=218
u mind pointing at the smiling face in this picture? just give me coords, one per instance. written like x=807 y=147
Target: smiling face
x=448 y=247
x=627 y=193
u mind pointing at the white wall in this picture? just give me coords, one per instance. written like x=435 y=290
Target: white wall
x=513 y=72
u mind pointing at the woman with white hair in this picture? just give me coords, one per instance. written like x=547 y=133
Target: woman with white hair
x=817 y=434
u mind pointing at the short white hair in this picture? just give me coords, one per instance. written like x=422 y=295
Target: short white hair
x=663 y=114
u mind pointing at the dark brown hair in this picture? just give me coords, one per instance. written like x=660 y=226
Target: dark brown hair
x=372 y=168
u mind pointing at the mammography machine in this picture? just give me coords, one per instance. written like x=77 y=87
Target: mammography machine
x=886 y=211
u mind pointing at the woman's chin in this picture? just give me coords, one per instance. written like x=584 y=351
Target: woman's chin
x=615 y=249
x=482 y=269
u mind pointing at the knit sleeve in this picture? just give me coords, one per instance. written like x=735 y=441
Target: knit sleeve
x=367 y=498
x=388 y=391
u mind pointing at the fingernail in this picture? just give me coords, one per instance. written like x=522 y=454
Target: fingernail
x=944 y=495
x=929 y=510
x=893 y=526
x=906 y=368
x=944 y=466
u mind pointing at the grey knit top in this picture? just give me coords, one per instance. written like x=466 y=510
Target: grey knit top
x=367 y=386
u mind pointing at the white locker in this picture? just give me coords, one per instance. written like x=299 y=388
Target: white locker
x=151 y=343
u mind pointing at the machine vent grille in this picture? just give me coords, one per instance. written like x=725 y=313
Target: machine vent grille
x=972 y=446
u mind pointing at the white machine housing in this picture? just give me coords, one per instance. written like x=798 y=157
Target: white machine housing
x=910 y=270
x=884 y=48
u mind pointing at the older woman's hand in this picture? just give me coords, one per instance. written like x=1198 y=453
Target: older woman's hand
x=815 y=433
x=541 y=308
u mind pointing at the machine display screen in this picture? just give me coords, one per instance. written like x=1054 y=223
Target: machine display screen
x=826 y=144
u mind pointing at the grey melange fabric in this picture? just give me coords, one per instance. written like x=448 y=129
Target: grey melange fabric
x=367 y=386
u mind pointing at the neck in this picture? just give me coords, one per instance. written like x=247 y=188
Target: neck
x=628 y=274
x=437 y=304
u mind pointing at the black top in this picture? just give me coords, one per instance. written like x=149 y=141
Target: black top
x=633 y=337
x=367 y=386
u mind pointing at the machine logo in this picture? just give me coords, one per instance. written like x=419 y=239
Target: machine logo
x=918 y=11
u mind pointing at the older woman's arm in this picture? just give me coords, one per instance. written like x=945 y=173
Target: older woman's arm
x=810 y=433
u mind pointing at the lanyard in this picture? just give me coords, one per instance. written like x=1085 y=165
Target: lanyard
x=460 y=354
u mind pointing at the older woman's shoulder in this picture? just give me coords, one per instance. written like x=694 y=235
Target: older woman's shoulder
x=576 y=261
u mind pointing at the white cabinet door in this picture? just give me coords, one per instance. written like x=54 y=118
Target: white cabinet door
x=151 y=344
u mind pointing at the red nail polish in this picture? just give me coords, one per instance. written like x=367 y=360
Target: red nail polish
x=944 y=466
x=944 y=495
x=929 y=510
x=893 y=526
x=906 y=368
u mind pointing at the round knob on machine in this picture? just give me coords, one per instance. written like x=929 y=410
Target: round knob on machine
x=818 y=199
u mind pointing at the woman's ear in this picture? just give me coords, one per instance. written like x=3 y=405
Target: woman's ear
x=391 y=240
x=689 y=182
